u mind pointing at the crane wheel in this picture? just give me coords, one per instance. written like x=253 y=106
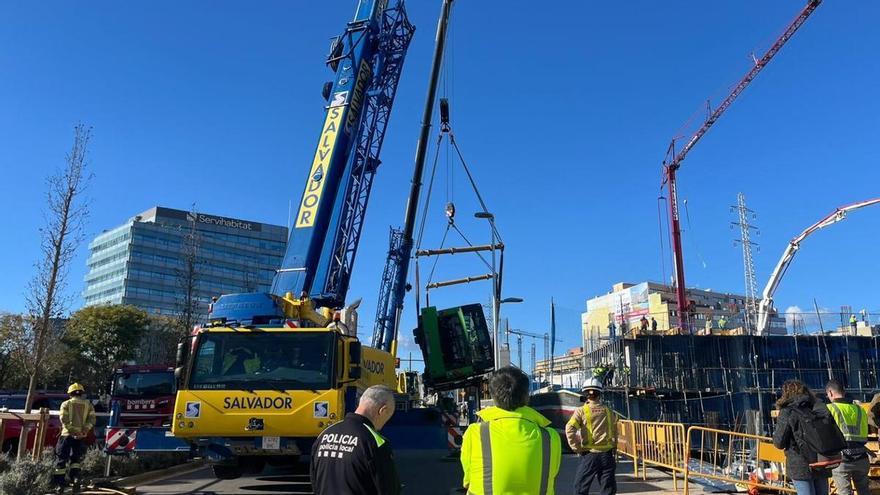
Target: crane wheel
x=226 y=472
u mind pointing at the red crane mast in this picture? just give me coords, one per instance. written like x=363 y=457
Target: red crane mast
x=673 y=160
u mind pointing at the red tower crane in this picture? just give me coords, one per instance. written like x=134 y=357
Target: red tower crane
x=673 y=160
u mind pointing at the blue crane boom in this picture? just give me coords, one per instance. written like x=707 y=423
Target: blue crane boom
x=367 y=60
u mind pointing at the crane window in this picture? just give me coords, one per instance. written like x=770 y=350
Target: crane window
x=263 y=361
x=148 y=384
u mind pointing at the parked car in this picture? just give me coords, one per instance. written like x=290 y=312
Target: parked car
x=12 y=428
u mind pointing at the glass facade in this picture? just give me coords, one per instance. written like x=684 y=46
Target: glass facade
x=142 y=262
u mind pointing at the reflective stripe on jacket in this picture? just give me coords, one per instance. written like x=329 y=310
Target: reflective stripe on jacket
x=77 y=417
x=852 y=421
x=511 y=452
x=237 y=364
x=592 y=428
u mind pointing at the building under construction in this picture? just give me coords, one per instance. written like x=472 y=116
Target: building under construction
x=728 y=381
x=567 y=370
x=620 y=312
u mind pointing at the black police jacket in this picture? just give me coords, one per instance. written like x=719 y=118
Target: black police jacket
x=352 y=458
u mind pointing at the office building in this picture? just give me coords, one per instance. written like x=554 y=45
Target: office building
x=142 y=261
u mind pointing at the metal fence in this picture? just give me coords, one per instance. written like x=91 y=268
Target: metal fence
x=739 y=459
x=662 y=445
x=736 y=458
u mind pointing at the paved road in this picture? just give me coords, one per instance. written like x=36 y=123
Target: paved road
x=422 y=472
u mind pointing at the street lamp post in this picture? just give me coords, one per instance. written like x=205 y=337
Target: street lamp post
x=495 y=300
x=506 y=300
x=496 y=285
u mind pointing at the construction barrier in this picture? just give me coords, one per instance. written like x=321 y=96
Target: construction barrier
x=662 y=445
x=744 y=460
x=39 y=420
x=626 y=442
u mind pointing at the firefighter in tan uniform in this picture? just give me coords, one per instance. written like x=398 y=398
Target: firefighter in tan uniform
x=592 y=434
x=77 y=420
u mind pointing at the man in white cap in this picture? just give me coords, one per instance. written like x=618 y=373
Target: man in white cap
x=592 y=434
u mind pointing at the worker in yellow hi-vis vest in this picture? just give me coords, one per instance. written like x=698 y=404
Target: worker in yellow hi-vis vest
x=514 y=450
x=853 y=423
x=77 y=420
x=592 y=434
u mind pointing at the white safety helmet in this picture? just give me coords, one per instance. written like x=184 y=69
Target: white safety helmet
x=593 y=384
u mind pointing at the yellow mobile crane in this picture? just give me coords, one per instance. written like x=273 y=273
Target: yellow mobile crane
x=268 y=372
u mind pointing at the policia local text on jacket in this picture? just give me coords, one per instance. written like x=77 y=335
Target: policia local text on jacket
x=592 y=433
x=352 y=458
x=510 y=453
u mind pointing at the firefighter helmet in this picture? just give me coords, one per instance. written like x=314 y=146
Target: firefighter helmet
x=593 y=384
x=76 y=387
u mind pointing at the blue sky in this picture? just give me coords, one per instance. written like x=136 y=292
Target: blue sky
x=564 y=112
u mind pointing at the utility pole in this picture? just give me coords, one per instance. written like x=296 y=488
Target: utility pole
x=519 y=351
x=745 y=232
x=534 y=360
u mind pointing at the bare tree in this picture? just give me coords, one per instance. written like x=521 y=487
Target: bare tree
x=189 y=308
x=64 y=217
x=159 y=343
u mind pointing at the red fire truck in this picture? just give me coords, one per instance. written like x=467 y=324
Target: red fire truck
x=145 y=394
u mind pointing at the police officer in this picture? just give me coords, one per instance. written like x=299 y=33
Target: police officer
x=351 y=457
x=592 y=433
x=853 y=423
x=77 y=420
x=514 y=449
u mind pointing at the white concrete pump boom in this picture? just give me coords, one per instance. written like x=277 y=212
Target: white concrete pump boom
x=765 y=308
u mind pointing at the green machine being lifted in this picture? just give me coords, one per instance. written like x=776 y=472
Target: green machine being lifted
x=456 y=345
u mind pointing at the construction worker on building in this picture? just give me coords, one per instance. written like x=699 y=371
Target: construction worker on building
x=722 y=322
x=853 y=423
x=592 y=434
x=853 y=323
x=77 y=421
x=513 y=449
x=653 y=325
x=643 y=324
x=351 y=457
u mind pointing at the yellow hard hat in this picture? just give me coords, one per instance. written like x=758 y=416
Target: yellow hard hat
x=76 y=387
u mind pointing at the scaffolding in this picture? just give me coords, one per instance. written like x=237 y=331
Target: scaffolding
x=729 y=381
